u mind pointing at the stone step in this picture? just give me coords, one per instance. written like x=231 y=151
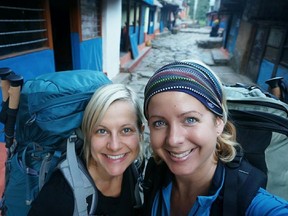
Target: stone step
x=210 y=43
x=220 y=56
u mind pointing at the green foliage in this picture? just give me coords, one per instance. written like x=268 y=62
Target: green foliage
x=191 y=11
x=201 y=10
x=203 y=7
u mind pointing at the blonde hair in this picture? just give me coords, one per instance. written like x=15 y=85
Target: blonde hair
x=226 y=141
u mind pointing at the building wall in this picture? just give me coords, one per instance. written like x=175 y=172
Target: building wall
x=240 y=53
x=146 y=18
x=32 y=64
x=156 y=18
x=260 y=30
x=87 y=39
x=111 y=31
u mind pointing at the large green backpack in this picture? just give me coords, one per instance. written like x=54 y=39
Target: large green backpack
x=261 y=121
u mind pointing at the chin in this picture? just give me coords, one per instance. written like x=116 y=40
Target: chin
x=117 y=171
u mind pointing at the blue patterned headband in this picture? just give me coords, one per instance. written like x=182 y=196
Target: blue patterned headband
x=188 y=77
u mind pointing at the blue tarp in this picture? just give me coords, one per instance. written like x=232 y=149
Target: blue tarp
x=150 y=2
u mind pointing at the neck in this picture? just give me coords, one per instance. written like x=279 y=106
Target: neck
x=186 y=189
x=108 y=185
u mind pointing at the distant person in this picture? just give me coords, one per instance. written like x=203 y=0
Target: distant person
x=215 y=28
x=113 y=128
x=194 y=148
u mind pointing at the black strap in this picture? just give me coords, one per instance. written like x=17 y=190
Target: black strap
x=261 y=119
x=148 y=185
x=240 y=187
x=153 y=182
x=230 y=200
x=250 y=186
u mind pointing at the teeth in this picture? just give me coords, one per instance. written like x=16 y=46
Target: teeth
x=184 y=154
x=115 y=157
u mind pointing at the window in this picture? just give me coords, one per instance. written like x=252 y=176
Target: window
x=90 y=19
x=273 y=46
x=22 y=26
x=284 y=57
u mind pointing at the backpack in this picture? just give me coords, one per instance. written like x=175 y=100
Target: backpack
x=241 y=184
x=261 y=122
x=50 y=111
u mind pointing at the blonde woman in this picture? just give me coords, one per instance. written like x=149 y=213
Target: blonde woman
x=112 y=127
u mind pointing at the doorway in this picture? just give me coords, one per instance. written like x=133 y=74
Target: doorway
x=60 y=22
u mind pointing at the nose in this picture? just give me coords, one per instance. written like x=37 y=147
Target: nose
x=176 y=135
x=114 y=142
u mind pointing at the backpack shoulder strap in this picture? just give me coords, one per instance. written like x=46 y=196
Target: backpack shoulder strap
x=154 y=179
x=241 y=184
x=136 y=179
x=79 y=180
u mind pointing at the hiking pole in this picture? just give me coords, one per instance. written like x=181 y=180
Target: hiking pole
x=16 y=82
x=5 y=85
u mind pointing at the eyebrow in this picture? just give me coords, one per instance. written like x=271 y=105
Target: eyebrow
x=180 y=115
x=189 y=112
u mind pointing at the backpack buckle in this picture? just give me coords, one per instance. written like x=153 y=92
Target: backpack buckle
x=235 y=163
x=73 y=137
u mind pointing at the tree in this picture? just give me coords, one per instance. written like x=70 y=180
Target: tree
x=198 y=9
x=203 y=7
x=191 y=11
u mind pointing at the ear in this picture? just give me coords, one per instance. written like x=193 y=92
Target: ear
x=219 y=125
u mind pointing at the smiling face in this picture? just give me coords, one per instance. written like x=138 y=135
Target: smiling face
x=115 y=141
x=183 y=132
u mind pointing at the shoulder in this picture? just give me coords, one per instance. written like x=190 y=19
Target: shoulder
x=265 y=203
x=243 y=179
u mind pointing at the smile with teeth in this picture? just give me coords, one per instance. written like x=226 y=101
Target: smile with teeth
x=115 y=157
x=181 y=155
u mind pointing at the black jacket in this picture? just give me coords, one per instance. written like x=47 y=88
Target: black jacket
x=56 y=198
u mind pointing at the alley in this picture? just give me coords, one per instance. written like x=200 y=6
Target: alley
x=169 y=47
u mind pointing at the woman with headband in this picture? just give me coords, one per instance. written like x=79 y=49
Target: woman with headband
x=196 y=159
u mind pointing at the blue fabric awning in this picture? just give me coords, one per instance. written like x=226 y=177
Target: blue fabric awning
x=150 y=2
x=153 y=3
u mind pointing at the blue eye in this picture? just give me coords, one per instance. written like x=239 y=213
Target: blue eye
x=101 y=131
x=159 y=124
x=127 y=130
x=190 y=120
